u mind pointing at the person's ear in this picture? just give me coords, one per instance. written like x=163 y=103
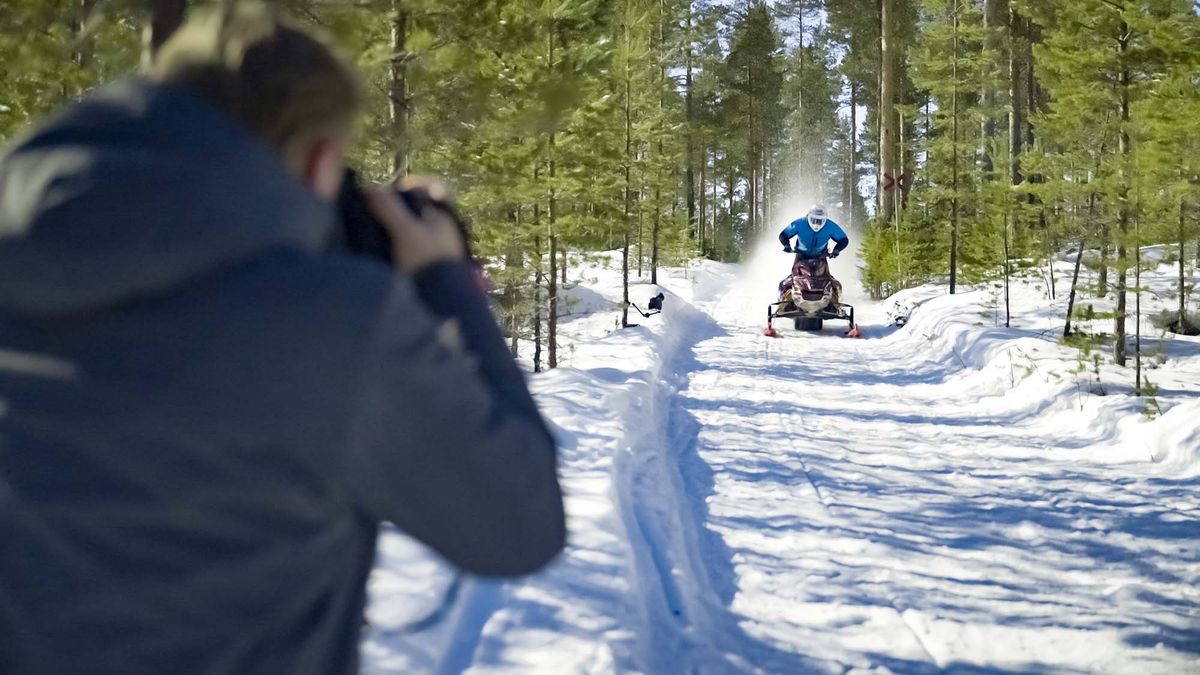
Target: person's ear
x=323 y=167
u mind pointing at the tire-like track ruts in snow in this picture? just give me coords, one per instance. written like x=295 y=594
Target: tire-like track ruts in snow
x=828 y=503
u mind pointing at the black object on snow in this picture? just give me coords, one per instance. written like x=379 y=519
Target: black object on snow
x=656 y=304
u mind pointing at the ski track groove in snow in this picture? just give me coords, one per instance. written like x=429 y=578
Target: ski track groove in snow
x=956 y=431
x=828 y=505
x=914 y=502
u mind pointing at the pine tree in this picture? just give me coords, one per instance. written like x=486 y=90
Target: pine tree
x=753 y=83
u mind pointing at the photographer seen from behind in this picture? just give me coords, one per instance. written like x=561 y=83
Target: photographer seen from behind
x=204 y=412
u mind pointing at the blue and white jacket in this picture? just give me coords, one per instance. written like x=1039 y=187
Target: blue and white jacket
x=810 y=244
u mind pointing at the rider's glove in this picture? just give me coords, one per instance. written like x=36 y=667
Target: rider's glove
x=834 y=254
x=787 y=249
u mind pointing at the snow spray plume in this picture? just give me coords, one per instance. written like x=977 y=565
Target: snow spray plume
x=848 y=266
x=766 y=263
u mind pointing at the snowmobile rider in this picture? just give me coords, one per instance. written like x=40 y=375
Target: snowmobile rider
x=813 y=233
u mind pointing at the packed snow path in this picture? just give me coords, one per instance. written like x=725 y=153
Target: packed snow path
x=925 y=500
x=859 y=504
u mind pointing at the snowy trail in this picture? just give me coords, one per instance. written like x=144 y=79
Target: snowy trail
x=948 y=497
x=868 y=503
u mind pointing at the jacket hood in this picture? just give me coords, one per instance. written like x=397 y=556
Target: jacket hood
x=135 y=191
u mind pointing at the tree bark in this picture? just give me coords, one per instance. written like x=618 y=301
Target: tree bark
x=852 y=186
x=752 y=148
x=1124 y=150
x=1182 y=273
x=703 y=206
x=1018 y=44
x=512 y=261
x=537 y=300
x=694 y=225
x=625 y=281
x=995 y=14
x=398 y=99
x=1137 y=305
x=888 y=177
x=552 y=318
x=732 y=184
x=628 y=184
x=1007 y=302
x=662 y=86
x=654 y=236
x=551 y=233
x=954 y=161
x=1074 y=286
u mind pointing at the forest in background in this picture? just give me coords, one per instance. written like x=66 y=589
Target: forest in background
x=963 y=140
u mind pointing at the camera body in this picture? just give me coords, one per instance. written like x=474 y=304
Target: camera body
x=362 y=234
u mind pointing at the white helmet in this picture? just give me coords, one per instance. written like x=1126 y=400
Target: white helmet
x=816 y=218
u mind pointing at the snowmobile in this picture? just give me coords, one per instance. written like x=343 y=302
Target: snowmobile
x=807 y=297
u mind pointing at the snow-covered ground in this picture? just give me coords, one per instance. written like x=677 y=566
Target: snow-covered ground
x=947 y=496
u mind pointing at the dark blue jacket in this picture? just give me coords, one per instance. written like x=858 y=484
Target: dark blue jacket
x=204 y=416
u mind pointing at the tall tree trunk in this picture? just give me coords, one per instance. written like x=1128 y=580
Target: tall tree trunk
x=852 y=186
x=537 y=299
x=512 y=262
x=752 y=153
x=166 y=16
x=703 y=205
x=1074 y=286
x=640 y=244
x=1123 y=200
x=888 y=177
x=662 y=86
x=552 y=318
x=1137 y=303
x=801 y=148
x=1050 y=272
x=1007 y=274
x=628 y=182
x=1182 y=273
x=1018 y=45
x=694 y=224
x=625 y=280
x=954 y=160
x=551 y=230
x=732 y=183
x=654 y=235
x=398 y=100
x=995 y=15
x=1105 y=249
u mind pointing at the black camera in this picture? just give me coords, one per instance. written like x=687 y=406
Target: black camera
x=362 y=234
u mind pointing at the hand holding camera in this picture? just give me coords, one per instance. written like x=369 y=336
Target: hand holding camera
x=422 y=227
x=411 y=223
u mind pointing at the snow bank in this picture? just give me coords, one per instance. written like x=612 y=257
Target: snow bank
x=959 y=496
x=1174 y=439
